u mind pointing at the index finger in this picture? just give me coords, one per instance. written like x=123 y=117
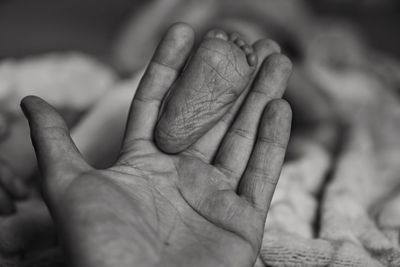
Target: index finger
x=163 y=70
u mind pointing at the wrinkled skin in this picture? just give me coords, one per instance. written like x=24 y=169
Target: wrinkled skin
x=155 y=209
x=172 y=206
x=216 y=75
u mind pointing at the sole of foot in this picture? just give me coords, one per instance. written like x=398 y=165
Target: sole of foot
x=213 y=79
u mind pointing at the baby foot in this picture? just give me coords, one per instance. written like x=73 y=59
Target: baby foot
x=214 y=78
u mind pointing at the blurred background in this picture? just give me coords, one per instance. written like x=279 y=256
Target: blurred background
x=93 y=26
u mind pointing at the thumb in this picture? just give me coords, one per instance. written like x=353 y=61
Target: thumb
x=56 y=153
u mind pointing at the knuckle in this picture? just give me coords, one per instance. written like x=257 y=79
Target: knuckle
x=243 y=133
x=274 y=142
x=261 y=176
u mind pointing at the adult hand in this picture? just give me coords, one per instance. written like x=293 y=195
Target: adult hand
x=155 y=209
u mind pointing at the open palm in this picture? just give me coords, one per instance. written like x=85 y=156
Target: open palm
x=204 y=207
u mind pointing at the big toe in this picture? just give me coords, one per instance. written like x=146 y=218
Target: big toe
x=217 y=33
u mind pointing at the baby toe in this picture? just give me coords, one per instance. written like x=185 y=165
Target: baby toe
x=234 y=36
x=247 y=49
x=217 y=33
x=250 y=54
x=240 y=42
x=252 y=59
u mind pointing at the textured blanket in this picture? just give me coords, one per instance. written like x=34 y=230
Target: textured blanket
x=341 y=207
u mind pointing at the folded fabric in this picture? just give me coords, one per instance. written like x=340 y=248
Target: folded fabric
x=66 y=80
x=354 y=218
